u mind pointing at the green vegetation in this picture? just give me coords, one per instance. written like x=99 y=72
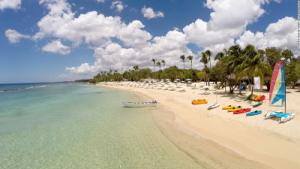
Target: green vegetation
x=233 y=66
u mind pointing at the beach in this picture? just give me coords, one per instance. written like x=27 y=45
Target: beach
x=221 y=139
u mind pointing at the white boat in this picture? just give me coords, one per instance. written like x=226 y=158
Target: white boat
x=213 y=106
x=140 y=104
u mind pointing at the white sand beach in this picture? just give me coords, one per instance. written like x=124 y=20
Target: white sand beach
x=222 y=139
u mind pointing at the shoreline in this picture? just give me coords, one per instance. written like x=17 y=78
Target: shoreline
x=251 y=145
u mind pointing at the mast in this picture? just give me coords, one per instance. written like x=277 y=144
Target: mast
x=285 y=89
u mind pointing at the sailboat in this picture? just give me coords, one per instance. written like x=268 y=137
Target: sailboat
x=277 y=94
x=215 y=105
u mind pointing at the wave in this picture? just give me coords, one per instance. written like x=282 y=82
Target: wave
x=22 y=88
x=35 y=87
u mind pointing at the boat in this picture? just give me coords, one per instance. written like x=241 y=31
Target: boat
x=254 y=113
x=233 y=109
x=199 y=101
x=253 y=97
x=241 y=111
x=282 y=116
x=140 y=104
x=213 y=106
x=227 y=107
x=277 y=94
x=256 y=103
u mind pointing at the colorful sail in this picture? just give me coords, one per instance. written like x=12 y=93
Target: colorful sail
x=277 y=90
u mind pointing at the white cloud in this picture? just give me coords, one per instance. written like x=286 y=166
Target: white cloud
x=282 y=34
x=14 y=36
x=100 y=1
x=149 y=13
x=118 y=5
x=10 y=4
x=228 y=14
x=116 y=57
x=56 y=47
x=228 y=20
x=84 y=68
x=133 y=34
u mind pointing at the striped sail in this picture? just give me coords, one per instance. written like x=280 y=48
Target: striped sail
x=277 y=90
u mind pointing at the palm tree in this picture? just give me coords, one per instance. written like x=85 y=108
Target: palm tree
x=253 y=64
x=208 y=53
x=164 y=63
x=182 y=57
x=204 y=60
x=158 y=64
x=190 y=58
x=219 y=56
x=136 y=67
x=154 y=63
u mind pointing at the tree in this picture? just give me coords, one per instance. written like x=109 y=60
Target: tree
x=287 y=54
x=232 y=59
x=208 y=54
x=158 y=64
x=253 y=64
x=154 y=63
x=204 y=60
x=136 y=67
x=190 y=58
x=272 y=56
x=163 y=63
x=182 y=57
x=219 y=56
x=292 y=75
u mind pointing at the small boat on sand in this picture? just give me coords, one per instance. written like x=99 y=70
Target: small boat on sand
x=213 y=106
x=254 y=113
x=140 y=104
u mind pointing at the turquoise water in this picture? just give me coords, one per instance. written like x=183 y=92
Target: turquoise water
x=77 y=126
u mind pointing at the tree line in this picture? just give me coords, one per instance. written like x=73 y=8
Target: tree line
x=233 y=66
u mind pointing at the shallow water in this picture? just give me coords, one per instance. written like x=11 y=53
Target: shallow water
x=76 y=126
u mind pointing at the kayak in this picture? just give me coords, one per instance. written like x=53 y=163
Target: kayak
x=199 y=101
x=227 y=107
x=254 y=113
x=233 y=109
x=241 y=111
x=256 y=104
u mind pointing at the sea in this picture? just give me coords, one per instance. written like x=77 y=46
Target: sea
x=81 y=126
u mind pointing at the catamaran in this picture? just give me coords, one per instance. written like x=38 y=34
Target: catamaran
x=278 y=94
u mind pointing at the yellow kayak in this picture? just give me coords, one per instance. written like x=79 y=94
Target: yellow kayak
x=228 y=107
x=233 y=109
x=199 y=101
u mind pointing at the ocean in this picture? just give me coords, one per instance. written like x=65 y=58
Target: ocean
x=80 y=126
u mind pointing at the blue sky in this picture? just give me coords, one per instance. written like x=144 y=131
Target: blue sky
x=27 y=61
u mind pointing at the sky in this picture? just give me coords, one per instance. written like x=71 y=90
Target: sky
x=60 y=40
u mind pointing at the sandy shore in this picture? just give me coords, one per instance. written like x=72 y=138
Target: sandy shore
x=220 y=139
